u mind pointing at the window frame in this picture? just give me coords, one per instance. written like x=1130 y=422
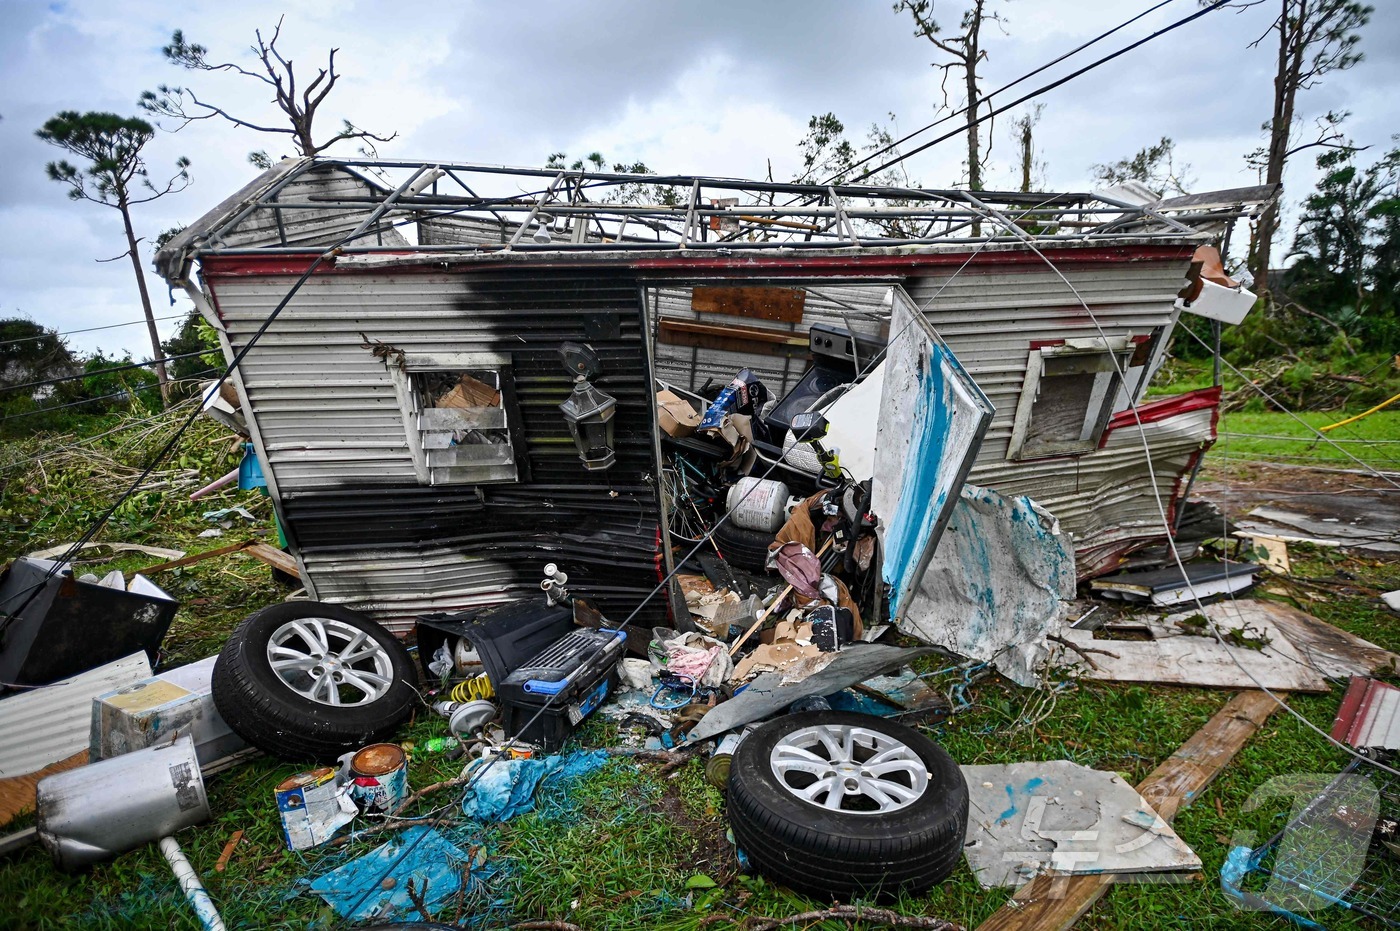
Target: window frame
x=1098 y=353
x=403 y=369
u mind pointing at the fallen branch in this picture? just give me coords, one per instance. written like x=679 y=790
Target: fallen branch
x=1082 y=651
x=455 y=781
x=854 y=913
x=672 y=759
x=544 y=926
x=417 y=898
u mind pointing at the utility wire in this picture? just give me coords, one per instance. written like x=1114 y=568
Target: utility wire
x=893 y=146
x=115 y=368
x=91 y=329
x=59 y=407
x=1040 y=90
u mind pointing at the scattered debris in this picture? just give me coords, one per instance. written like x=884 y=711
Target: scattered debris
x=173 y=703
x=1169 y=586
x=1369 y=716
x=1060 y=817
x=1177 y=651
x=314 y=805
x=506 y=787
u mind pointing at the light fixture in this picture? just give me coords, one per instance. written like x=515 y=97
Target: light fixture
x=542 y=231
x=588 y=410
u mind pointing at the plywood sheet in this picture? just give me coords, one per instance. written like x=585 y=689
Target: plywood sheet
x=781 y=304
x=1175 y=656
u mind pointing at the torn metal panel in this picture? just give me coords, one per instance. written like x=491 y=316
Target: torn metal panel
x=45 y=725
x=1369 y=717
x=1059 y=817
x=1330 y=650
x=931 y=422
x=769 y=693
x=997 y=586
x=1182 y=651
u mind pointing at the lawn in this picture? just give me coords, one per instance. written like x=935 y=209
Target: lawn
x=630 y=847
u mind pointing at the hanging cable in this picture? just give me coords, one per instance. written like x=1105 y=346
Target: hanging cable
x=893 y=146
x=96 y=372
x=58 y=407
x=91 y=329
x=1041 y=90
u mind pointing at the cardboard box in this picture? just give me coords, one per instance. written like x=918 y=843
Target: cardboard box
x=675 y=415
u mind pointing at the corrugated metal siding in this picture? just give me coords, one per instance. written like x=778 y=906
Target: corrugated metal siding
x=43 y=726
x=312 y=227
x=368 y=533
x=990 y=318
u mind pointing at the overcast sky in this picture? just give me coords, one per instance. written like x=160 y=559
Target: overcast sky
x=717 y=87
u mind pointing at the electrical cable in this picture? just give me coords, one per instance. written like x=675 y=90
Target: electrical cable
x=96 y=372
x=1041 y=90
x=1162 y=512
x=91 y=329
x=58 y=407
x=549 y=700
x=893 y=146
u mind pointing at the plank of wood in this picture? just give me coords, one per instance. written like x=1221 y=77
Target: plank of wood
x=1332 y=651
x=1054 y=903
x=17 y=793
x=274 y=558
x=732 y=339
x=758 y=303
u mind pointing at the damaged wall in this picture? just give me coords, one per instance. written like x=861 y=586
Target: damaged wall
x=332 y=433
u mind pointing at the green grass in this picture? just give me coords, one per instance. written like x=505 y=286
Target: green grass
x=629 y=848
x=1278 y=437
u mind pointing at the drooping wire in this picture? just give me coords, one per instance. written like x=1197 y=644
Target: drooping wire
x=91 y=329
x=894 y=146
x=94 y=373
x=1162 y=511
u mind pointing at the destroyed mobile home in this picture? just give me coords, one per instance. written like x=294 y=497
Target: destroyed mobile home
x=681 y=450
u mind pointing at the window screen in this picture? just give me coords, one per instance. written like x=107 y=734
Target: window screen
x=1066 y=401
x=458 y=417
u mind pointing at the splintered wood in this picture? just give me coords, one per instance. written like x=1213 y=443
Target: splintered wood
x=1053 y=903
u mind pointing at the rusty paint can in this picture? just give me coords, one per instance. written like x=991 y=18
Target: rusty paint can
x=312 y=807
x=378 y=777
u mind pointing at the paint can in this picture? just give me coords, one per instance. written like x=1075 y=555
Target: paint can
x=313 y=806
x=378 y=777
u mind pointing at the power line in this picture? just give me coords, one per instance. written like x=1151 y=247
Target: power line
x=59 y=407
x=1005 y=87
x=91 y=329
x=115 y=368
x=1042 y=90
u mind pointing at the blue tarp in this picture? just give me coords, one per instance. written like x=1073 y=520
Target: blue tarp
x=434 y=865
x=507 y=787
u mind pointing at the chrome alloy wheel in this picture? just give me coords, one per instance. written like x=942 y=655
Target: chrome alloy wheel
x=330 y=661
x=850 y=769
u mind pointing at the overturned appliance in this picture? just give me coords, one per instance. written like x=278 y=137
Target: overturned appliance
x=422 y=452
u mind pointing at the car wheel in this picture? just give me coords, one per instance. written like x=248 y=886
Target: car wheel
x=309 y=681
x=744 y=548
x=839 y=804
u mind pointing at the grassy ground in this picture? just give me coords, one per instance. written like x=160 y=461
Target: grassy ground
x=630 y=847
x=1276 y=437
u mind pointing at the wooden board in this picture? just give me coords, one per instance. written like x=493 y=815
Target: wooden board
x=780 y=304
x=1332 y=651
x=732 y=339
x=17 y=793
x=1176 y=657
x=1053 y=903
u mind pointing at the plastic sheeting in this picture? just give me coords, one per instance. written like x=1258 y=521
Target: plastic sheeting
x=433 y=864
x=507 y=787
x=997 y=585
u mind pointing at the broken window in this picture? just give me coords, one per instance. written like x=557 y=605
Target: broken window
x=458 y=412
x=1068 y=397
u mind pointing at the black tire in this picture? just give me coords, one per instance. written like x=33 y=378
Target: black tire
x=284 y=723
x=826 y=853
x=747 y=549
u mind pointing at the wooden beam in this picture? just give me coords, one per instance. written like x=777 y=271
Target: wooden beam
x=1054 y=903
x=759 y=303
x=732 y=339
x=262 y=552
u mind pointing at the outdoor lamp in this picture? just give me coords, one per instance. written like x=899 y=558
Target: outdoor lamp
x=589 y=414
